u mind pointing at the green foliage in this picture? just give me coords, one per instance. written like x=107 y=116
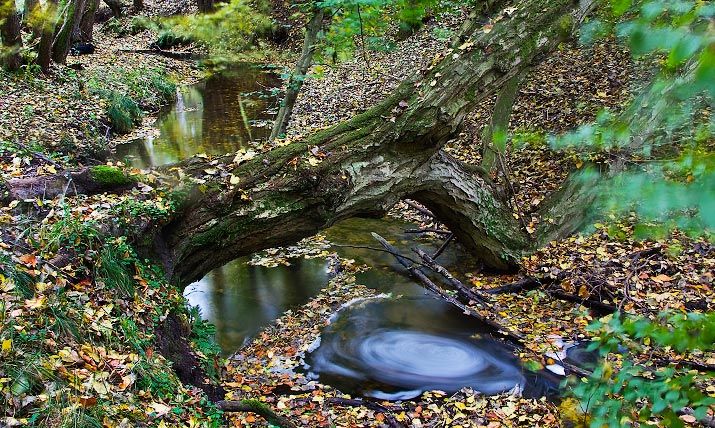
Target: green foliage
x=155 y=379
x=231 y=29
x=666 y=134
x=115 y=260
x=665 y=139
x=636 y=393
x=127 y=92
x=69 y=232
x=121 y=28
x=203 y=336
x=123 y=112
x=369 y=20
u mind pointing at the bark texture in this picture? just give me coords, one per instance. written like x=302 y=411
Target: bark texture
x=296 y=79
x=44 y=48
x=71 y=17
x=84 y=31
x=11 y=39
x=389 y=152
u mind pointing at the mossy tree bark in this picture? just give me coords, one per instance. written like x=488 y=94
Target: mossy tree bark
x=44 y=48
x=365 y=165
x=389 y=152
x=71 y=17
x=11 y=38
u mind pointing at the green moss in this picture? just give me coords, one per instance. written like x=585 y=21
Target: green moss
x=109 y=175
x=565 y=26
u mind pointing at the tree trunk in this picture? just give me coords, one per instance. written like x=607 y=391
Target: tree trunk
x=138 y=5
x=44 y=48
x=70 y=23
x=367 y=164
x=296 y=79
x=27 y=9
x=86 y=25
x=115 y=6
x=390 y=152
x=501 y=113
x=11 y=39
x=205 y=6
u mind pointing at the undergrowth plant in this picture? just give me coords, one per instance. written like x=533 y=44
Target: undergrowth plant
x=665 y=142
x=621 y=392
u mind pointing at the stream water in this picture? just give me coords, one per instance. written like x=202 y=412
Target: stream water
x=390 y=348
x=219 y=115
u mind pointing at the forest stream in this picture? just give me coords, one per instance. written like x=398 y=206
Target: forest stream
x=389 y=348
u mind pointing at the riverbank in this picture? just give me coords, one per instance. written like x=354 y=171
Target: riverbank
x=91 y=334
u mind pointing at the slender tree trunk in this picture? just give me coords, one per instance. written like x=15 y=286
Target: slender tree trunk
x=115 y=6
x=499 y=123
x=70 y=23
x=296 y=79
x=205 y=6
x=138 y=5
x=11 y=39
x=28 y=7
x=44 y=48
x=86 y=25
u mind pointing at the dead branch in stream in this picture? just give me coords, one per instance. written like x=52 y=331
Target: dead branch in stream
x=431 y=286
x=514 y=337
x=462 y=290
x=429 y=230
x=257 y=407
x=443 y=247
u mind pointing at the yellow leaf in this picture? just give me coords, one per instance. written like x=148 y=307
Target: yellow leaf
x=100 y=387
x=234 y=179
x=466 y=45
x=6 y=345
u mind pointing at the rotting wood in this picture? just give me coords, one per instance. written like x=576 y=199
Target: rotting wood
x=257 y=407
x=462 y=290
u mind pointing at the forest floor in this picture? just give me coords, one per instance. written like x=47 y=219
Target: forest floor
x=640 y=277
x=79 y=343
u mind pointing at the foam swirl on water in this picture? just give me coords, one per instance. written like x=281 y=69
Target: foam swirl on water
x=396 y=349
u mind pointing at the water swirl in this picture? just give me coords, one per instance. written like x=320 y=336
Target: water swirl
x=396 y=349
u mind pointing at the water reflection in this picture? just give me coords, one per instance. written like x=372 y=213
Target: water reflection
x=219 y=115
x=240 y=299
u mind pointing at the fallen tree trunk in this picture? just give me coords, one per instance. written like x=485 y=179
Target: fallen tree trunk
x=86 y=181
x=367 y=164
